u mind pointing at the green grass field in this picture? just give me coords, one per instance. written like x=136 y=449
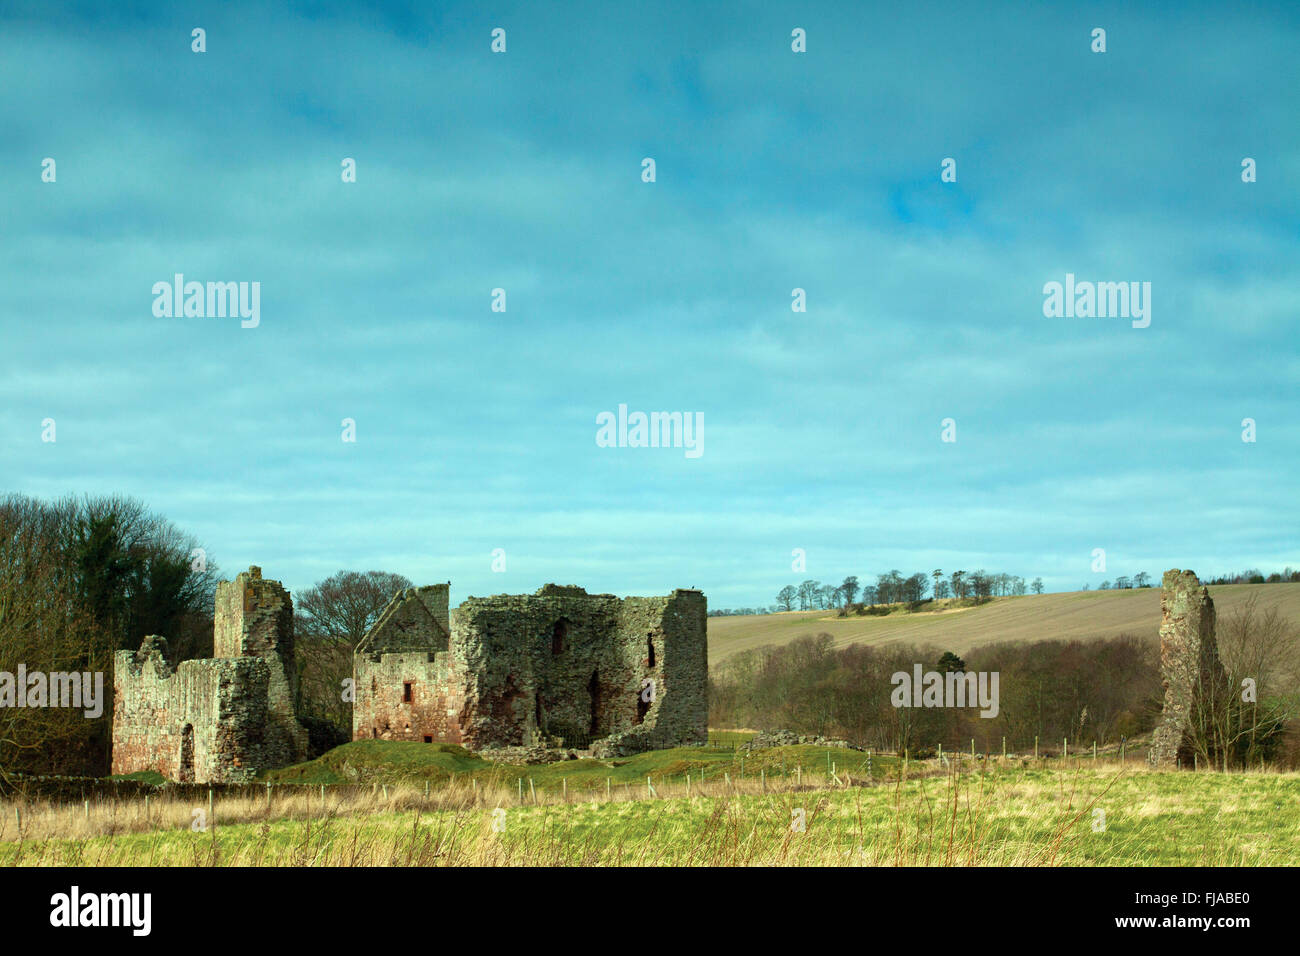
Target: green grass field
x=998 y=815
x=1065 y=616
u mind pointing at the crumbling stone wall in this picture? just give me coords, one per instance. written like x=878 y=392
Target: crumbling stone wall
x=218 y=720
x=522 y=670
x=1195 y=682
x=204 y=721
x=254 y=618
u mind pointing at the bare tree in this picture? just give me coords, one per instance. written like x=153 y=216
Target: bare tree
x=786 y=597
x=850 y=589
x=331 y=619
x=1260 y=651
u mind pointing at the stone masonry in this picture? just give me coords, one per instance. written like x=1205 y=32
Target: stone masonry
x=220 y=720
x=1195 y=682
x=560 y=667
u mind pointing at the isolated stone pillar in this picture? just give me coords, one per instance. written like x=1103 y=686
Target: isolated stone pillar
x=1194 y=679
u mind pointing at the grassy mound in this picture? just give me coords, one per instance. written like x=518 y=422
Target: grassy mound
x=384 y=761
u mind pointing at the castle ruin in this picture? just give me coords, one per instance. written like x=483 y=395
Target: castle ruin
x=559 y=668
x=1194 y=679
x=220 y=720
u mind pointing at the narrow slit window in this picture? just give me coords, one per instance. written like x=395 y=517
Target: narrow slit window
x=408 y=691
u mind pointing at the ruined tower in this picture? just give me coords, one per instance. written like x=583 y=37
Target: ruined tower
x=253 y=617
x=1195 y=682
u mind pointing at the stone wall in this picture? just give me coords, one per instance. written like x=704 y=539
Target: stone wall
x=1195 y=682
x=414 y=620
x=406 y=696
x=204 y=721
x=676 y=627
x=253 y=617
x=220 y=720
x=520 y=670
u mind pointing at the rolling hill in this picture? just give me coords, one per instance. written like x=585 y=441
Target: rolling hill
x=1068 y=615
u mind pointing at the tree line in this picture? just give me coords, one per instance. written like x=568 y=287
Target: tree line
x=1255 y=576
x=894 y=588
x=1124 y=582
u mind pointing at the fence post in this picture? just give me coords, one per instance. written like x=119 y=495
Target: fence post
x=1094 y=750
x=212 y=819
x=532 y=791
x=607 y=788
x=1004 y=746
x=1035 y=746
x=1065 y=748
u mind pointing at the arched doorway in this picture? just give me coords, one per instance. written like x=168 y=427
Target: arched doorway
x=186 y=772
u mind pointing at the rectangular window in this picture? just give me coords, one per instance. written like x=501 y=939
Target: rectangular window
x=428 y=739
x=408 y=692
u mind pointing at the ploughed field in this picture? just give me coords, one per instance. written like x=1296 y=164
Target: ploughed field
x=1034 y=617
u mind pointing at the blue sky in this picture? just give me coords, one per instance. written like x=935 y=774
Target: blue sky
x=476 y=429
